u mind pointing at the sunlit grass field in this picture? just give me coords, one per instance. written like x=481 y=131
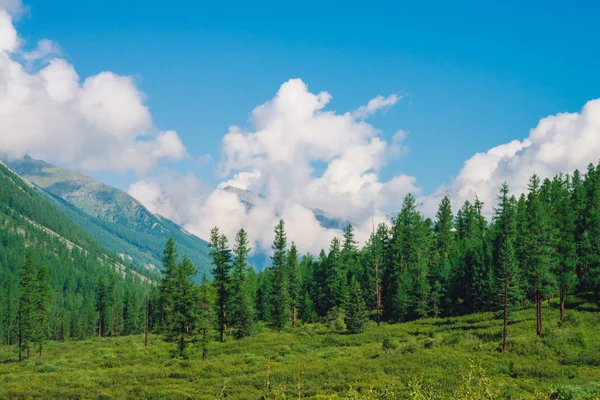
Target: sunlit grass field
x=431 y=358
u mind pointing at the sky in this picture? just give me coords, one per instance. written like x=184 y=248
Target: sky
x=342 y=106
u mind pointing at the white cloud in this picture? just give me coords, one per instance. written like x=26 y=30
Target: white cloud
x=13 y=7
x=45 y=48
x=560 y=143
x=398 y=148
x=98 y=124
x=376 y=104
x=241 y=180
x=278 y=158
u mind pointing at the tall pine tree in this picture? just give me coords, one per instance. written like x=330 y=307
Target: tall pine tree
x=241 y=314
x=280 y=285
x=221 y=260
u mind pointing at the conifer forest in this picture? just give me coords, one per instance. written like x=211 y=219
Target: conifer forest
x=526 y=280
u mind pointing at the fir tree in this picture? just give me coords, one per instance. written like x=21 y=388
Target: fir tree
x=294 y=281
x=180 y=298
x=241 y=300
x=27 y=317
x=539 y=249
x=335 y=277
x=280 y=284
x=8 y=306
x=221 y=260
x=566 y=246
x=356 y=315
x=43 y=299
x=206 y=316
x=445 y=245
x=506 y=267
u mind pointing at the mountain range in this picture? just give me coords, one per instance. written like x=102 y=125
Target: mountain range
x=121 y=223
x=111 y=216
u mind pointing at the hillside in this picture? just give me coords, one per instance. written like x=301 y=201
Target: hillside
x=75 y=260
x=111 y=216
x=425 y=359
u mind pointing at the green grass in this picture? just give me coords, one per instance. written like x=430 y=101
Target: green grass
x=430 y=358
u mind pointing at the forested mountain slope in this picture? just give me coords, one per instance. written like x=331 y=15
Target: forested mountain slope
x=111 y=216
x=76 y=262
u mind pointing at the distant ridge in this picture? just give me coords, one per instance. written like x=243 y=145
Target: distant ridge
x=110 y=215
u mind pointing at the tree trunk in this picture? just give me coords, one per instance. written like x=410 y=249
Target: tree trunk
x=181 y=346
x=40 y=353
x=294 y=315
x=19 y=344
x=28 y=353
x=505 y=329
x=147 y=325
x=203 y=345
x=562 y=305
x=8 y=337
x=223 y=324
x=539 y=314
x=100 y=326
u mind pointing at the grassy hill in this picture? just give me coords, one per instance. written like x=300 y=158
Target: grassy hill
x=435 y=358
x=111 y=216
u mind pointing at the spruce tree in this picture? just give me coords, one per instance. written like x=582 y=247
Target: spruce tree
x=101 y=305
x=579 y=204
x=507 y=272
x=241 y=314
x=566 y=246
x=407 y=289
x=43 y=299
x=321 y=293
x=307 y=308
x=8 y=306
x=27 y=316
x=221 y=260
x=538 y=241
x=444 y=256
x=206 y=317
x=180 y=296
x=335 y=277
x=356 y=315
x=280 y=283
x=294 y=281
x=350 y=260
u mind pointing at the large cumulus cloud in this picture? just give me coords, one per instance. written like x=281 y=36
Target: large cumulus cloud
x=47 y=110
x=559 y=143
x=297 y=156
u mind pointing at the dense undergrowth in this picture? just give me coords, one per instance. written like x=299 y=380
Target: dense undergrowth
x=437 y=358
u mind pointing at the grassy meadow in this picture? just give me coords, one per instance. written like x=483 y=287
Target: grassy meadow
x=437 y=358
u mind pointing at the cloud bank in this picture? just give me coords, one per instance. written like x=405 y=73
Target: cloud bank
x=295 y=155
x=46 y=110
x=293 y=131
x=281 y=158
x=559 y=143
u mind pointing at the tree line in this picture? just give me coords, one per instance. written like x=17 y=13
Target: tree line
x=542 y=245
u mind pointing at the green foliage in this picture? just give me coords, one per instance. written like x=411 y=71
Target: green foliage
x=332 y=365
x=356 y=315
x=221 y=259
x=179 y=299
x=280 y=295
x=111 y=216
x=241 y=313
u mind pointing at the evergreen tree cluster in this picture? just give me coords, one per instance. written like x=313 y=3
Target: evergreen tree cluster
x=541 y=245
x=56 y=282
x=544 y=244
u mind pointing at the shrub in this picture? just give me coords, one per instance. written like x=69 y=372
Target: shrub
x=388 y=345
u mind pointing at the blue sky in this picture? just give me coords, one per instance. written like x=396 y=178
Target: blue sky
x=476 y=74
